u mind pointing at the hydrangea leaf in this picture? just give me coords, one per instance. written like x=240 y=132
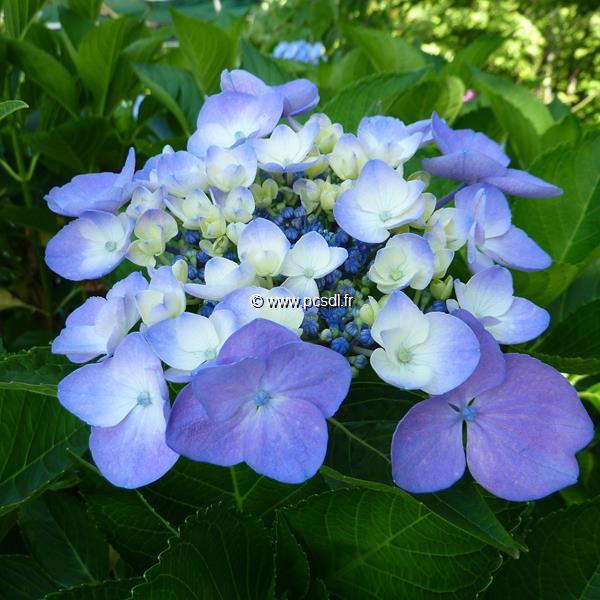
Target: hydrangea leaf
x=475 y=54
x=219 y=553
x=564 y=560
x=191 y=484
x=98 y=56
x=585 y=289
x=46 y=71
x=573 y=346
x=19 y=14
x=37 y=433
x=368 y=97
x=443 y=95
x=107 y=590
x=293 y=571
x=63 y=540
x=207 y=48
x=175 y=89
x=262 y=66
x=387 y=53
x=129 y=523
x=376 y=544
x=23 y=579
x=360 y=432
x=10 y=106
x=522 y=115
x=463 y=505
x=566 y=226
x=36 y=370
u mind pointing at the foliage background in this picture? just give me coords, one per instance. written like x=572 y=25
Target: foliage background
x=98 y=78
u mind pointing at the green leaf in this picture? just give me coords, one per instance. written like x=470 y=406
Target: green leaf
x=98 y=56
x=129 y=523
x=262 y=66
x=8 y=300
x=361 y=431
x=23 y=579
x=37 y=431
x=207 y=48
x=86 y=8
x=578 y=338
x=37 y=218
x=463 y=506
x=476 y=54
x=293 y=571
x=63 y=540
x=74 y=144
x=567 y=226
x=387 y=53
x=351 y=67
x=584 y=289
x=369 y=96
x=443 y=95
x=19 y=14
x=189 y=485
x=46 y=71
x=524 y=117
x=374 y=544
x=36 y=370
x=564 y=561
x=108 y=590
x=219 y=554
x=10 y=106
x=175 y=89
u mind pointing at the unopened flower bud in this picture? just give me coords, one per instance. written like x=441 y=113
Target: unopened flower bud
x=180 y=270
x=369 y=310
x=442 y=289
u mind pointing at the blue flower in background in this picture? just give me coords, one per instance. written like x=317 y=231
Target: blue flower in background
x=300 y=50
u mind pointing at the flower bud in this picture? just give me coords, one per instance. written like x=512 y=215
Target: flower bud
x=368 y=311
x=180 y=270
x=309 y=192
x=234 y=230
x=442 y=289
x=348 y=157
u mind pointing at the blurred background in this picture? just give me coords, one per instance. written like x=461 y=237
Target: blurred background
x=84 y=80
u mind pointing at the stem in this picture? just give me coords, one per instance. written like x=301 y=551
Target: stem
x=364 y=351
x=25 y=176
x=445 y=199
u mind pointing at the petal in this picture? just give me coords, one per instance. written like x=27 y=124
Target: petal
x=90 y=246
x=362 y=225
x=406 y=376
x=520 y=183
x=451 y=351
x=401 y=313
x=224 y=389
x=522 y=322
x=487 y=293
x=310 y=251
x=191 y=433
x=308 y=372
x=488 y=205
x=182 y=342
x=299 y=96
x=463 y=166
x=516 y=250
x=134 y=452
x=427 y=448
x=257 y=339
x=102 y=394
x=490 y=371
x=286 y=440
x=302 y=287
x=522 y=442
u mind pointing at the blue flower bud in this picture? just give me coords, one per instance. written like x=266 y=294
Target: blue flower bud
x=287 y=212
x=340 y=345
x=326 y=335
x=191 y=237
x=351 y=329
x=291 y=234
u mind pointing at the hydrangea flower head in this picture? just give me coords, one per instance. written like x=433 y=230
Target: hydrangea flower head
x=273 y=261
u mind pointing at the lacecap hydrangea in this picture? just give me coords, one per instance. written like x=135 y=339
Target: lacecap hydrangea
x=273 y=260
